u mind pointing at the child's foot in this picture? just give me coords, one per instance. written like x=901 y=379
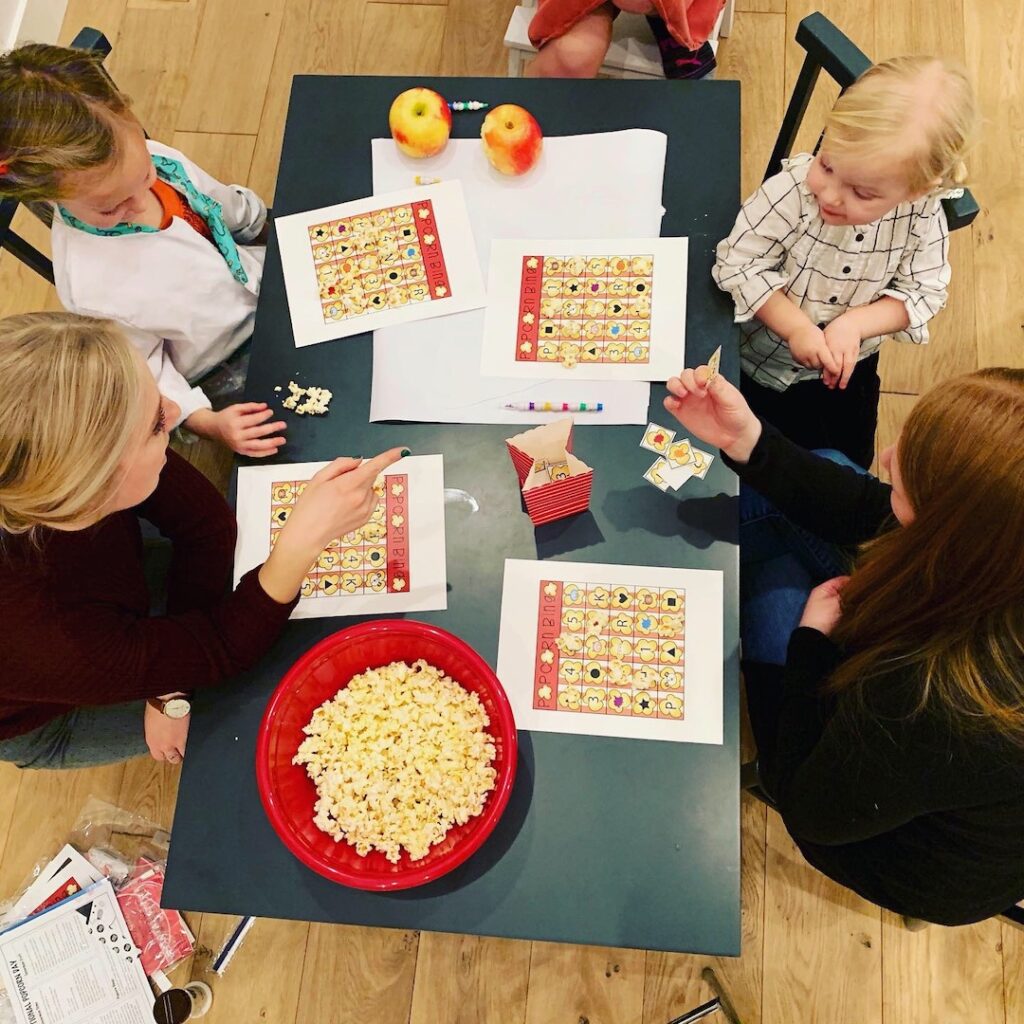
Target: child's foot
x=678 y=61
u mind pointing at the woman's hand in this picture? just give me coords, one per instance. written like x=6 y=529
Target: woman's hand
x=242 y=427
x=718 y=414
x=824 y=605
x=336 y=501
x=165 y=736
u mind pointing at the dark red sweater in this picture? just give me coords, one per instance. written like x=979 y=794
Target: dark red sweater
x=74 y=608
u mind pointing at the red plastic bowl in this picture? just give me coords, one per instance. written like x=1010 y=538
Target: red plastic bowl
x=287 y=792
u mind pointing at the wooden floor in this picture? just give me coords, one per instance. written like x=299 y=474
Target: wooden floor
x=211 y=77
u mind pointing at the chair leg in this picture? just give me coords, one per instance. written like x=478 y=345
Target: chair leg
x=29 y=255
x=725 y=1003
x=515 y=63
x=914 y=924
x=728 y=13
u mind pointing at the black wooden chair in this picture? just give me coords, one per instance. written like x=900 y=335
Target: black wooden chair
x=829 y=50
x=87 y=39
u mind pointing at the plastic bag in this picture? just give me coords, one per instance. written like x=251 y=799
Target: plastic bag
x=131 y=851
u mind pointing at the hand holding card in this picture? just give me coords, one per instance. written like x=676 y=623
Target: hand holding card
x=714 y=411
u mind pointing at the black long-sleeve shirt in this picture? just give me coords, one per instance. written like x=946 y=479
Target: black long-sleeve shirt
x=909 y=810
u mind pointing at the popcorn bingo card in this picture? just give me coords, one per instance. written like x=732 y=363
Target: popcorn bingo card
x=379 y=261
x=589 y=310
x=393 y=563
x=613 y=650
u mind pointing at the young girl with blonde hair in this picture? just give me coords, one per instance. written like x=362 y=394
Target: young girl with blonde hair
x=886 y=691
x=842 y=249
x=140 y=234
x=86 y=675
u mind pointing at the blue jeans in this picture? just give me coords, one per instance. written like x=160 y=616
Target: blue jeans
x=82 y=738
x=780 y=564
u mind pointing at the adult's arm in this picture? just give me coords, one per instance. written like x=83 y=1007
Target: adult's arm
x=840 y=776
x=835 y=502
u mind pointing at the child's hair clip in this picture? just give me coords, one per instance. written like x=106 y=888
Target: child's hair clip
x=4 y=167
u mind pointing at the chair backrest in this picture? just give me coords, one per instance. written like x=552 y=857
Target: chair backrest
x=827 y=48
x=87 y=39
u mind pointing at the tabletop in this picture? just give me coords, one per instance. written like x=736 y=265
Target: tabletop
x=609 y=842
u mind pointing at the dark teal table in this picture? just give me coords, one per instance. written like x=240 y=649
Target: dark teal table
x=605 y=841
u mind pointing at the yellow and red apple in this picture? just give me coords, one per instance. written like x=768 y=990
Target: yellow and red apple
x=420 y=122
x=512 y=139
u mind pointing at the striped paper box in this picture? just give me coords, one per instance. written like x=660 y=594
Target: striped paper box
x=550 y=499
x=559 y=498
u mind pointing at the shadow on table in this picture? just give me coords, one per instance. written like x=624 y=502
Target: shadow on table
x=497 y=844
x=698 y=521
x=571 y=534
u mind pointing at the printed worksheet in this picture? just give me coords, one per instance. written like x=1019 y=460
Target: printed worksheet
x=395 y=562
x=613 y=650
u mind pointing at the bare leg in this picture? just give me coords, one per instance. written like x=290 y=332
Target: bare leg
x=580 y=52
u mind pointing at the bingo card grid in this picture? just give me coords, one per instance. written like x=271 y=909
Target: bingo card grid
x=610 y=650
x=378 y=260
x=371 y=560
x=585 y=309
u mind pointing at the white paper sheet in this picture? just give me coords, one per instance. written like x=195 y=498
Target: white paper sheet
x=648 y=666
x=615 y=309
x=410 y=250
x=76 y=964
x=607 y=185
x=398 y=566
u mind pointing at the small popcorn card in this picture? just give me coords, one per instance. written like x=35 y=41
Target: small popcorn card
x=554 y=482
x=657 y=438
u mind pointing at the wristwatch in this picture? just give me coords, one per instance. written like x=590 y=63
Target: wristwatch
x=173 y=707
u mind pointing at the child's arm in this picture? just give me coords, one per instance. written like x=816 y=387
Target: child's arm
x=242 y=427
x=807 y=342
x=750 y=265
x=844 y=334
x=921 y=283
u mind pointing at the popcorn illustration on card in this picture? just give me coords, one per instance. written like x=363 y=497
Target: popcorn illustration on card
x=657 y=438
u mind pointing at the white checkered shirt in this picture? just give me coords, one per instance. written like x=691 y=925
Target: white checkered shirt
x=779 y=241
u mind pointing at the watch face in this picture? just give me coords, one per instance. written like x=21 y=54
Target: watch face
x=177 y=707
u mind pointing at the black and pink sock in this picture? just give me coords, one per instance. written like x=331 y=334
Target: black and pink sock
x=677 y=60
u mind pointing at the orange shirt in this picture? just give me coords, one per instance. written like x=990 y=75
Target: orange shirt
x=173 y=204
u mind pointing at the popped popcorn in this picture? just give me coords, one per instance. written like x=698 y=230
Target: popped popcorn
x=398 y=757
x=314 y=400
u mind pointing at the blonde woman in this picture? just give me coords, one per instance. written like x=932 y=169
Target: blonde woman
x=141 y=234
x=86 y=676
x=842 y=249
x=888 y=704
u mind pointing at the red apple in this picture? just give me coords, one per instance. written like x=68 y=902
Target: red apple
x=420 y=122
x=512 y=139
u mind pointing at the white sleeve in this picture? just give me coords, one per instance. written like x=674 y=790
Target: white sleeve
x=921 y=282
x=171 y=383
x=750 y=263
